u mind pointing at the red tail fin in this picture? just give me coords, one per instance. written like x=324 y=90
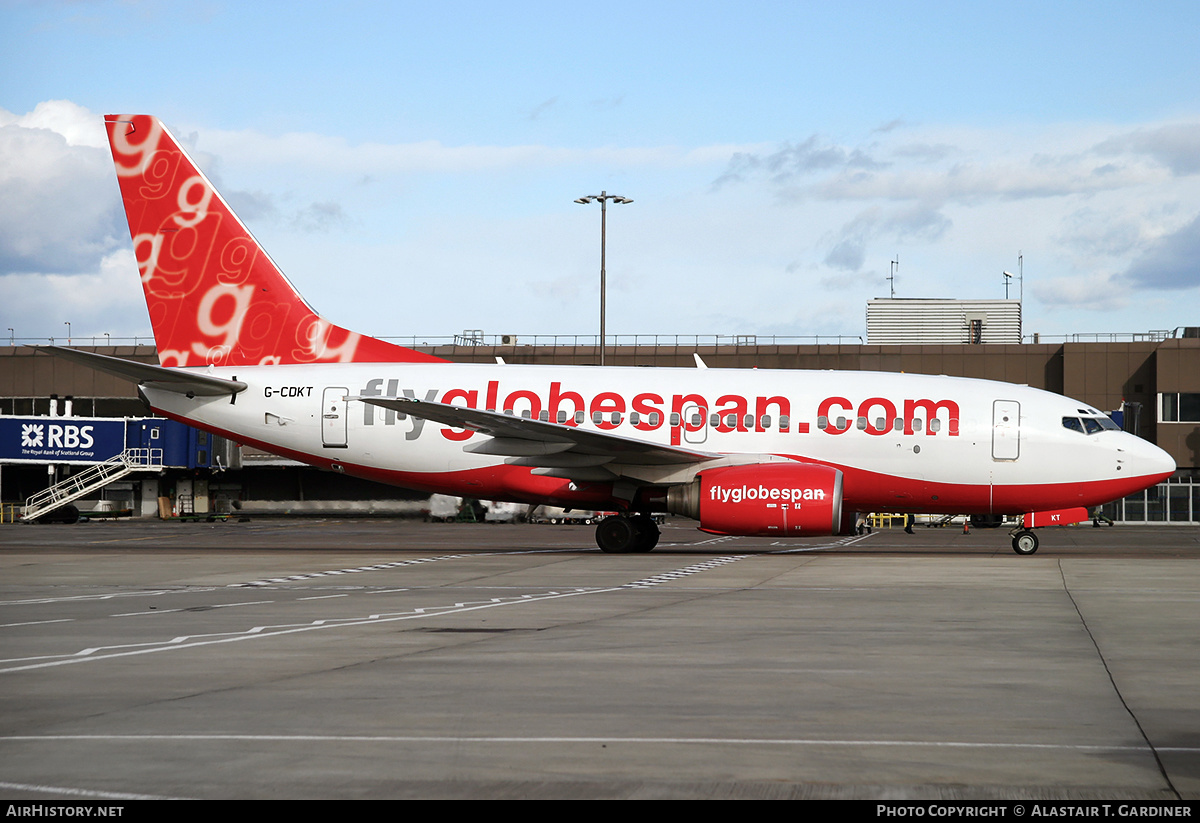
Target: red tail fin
x=214 y=295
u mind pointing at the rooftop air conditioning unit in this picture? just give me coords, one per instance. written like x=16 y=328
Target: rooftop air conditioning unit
x=508 y=340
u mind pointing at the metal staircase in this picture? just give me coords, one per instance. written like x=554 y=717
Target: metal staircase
x=94 y=478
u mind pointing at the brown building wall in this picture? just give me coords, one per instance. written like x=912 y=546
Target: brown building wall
x=27 y=375
x=1178 y=370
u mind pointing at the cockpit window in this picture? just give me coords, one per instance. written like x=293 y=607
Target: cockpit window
x=1073 y=424
x=1090 y=425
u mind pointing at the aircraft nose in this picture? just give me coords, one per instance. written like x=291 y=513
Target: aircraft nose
x=1151 y=461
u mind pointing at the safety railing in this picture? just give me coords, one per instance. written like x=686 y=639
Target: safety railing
x=91 y=479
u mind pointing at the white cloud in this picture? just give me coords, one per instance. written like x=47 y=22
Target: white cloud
x=40 y=305
x=59 y=205
x=794 y=240
x=1175 y=145
x=1094 y=292
x=77 y=125
x=330 y=153
x=1173 y=262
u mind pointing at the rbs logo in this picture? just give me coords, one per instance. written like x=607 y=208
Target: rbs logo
x=55 y=436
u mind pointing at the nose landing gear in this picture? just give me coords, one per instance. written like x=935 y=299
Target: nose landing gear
x=1026 y=542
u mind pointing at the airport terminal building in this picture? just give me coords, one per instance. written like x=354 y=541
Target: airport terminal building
x=1149 y=383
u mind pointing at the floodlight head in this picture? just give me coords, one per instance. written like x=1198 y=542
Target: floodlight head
x=584 y=200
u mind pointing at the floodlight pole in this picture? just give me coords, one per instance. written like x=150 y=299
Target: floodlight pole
x=603 y=198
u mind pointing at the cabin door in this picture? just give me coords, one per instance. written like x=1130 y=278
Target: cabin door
x=334 y=416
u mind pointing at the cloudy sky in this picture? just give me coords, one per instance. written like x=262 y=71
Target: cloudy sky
x=412 y=167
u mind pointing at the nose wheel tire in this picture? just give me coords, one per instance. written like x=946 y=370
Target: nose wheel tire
x=1025 y=542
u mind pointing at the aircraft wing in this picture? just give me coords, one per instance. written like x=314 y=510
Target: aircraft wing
x=544 y=445
x=155 y=377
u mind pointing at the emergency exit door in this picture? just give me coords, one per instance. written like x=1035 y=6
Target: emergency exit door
x=1006 y=430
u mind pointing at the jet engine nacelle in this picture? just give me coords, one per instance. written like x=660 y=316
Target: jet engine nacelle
x=765 y=500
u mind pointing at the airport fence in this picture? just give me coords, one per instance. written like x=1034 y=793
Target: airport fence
x=1152 y=336
x=1175 y=502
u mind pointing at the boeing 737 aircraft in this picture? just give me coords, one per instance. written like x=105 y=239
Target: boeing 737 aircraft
x=745 y=452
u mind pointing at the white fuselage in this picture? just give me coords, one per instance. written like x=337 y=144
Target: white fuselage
x=905 y=442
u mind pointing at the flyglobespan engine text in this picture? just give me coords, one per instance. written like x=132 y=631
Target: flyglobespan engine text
x=737 y=494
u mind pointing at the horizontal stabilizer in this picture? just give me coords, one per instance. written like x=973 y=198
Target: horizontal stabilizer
x=155 y=377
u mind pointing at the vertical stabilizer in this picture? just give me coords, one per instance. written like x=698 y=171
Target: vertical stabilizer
x=214 y=295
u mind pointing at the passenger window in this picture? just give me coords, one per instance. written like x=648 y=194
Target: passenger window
x=561 y=416
x=822 y=423
x=861 y=423
x=783 y=421
x=544 y=416
x=674 y=418
x=597 y=417
x=634 y=418
x=653 y=418
x=580 y=417
x=935 y=425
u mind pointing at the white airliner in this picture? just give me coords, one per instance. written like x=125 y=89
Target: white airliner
x=745 y=452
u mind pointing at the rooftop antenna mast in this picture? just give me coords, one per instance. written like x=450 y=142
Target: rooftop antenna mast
x=892 y=275
x=1021 y=276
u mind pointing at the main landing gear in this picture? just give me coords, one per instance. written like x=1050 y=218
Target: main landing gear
x=1024 y=542
x=622 y=535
